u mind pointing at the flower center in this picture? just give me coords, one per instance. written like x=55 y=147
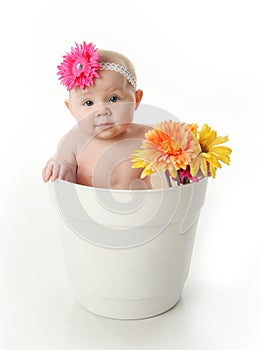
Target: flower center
x=204 y=148
x=171 y=147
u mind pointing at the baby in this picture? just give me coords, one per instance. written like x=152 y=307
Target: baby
x=102 y=99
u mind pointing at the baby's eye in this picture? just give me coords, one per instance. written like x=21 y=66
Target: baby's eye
x=89 y=103
x=113 y=99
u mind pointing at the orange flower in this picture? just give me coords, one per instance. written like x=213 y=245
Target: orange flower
x=169 y=146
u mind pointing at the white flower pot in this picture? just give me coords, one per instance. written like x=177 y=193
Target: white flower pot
x=128 y=252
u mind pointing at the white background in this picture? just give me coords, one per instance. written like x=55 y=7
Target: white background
x=200 y=60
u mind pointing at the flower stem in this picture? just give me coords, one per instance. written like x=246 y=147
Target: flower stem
x=168 y=179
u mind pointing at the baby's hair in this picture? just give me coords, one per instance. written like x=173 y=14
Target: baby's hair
x=118 y=58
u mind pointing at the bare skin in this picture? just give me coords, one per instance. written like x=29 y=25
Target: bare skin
x=97 y=151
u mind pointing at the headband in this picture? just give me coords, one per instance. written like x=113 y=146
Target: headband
x=80 y=67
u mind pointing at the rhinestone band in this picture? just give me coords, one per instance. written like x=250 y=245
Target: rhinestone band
x=120 y=69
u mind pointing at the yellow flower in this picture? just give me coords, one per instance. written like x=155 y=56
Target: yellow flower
x=211 y=153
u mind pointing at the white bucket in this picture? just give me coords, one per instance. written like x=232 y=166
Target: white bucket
x=128 y=252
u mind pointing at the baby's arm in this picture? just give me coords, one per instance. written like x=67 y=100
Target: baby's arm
x=63 y=164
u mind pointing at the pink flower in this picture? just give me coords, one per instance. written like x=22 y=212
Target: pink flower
x=79 y=67
x=184 y=176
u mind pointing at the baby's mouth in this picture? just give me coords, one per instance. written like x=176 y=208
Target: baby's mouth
x=104 y=125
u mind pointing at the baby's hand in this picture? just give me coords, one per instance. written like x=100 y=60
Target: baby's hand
x=54 y=171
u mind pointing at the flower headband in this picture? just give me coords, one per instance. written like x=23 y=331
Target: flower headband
x=80 y=66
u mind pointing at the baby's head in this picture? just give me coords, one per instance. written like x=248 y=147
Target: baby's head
x=112 y=60
x=102 y=89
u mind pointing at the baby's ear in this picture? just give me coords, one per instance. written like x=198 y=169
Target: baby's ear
x=139 y=95
x=68 y=105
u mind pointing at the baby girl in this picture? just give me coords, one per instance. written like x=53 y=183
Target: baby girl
x=102 y=99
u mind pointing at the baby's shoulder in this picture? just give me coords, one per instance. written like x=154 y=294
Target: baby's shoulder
x=78 y=136
x=140 y=129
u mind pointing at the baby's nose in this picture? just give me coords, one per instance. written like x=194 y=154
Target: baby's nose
x=103 y=111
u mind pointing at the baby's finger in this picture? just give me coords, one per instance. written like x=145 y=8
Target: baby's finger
x=63 y=172
x=47 y=171
x=56 y=170
x=44 y=174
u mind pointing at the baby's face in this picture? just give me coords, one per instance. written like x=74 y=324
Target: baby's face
x=104 y=110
